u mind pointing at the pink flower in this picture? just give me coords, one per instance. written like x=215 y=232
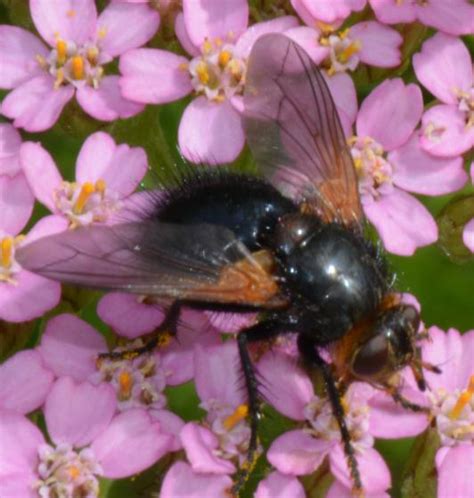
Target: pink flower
x=215 y=34
x=328 y=12
x=106 y=174
x=44 y=78
x=278 y=485
x=389 y=162
x=451 y=397
x=23 y=295
x=444 y=67
x=455 y=17
x=24 y=382
x=10 y=141
x=87 y=441
x=301 y=451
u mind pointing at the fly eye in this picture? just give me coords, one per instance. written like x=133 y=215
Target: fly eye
x=372 y=357
x=411 y=317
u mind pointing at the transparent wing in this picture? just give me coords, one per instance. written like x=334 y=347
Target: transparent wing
x=294 y=131
x=202 y=262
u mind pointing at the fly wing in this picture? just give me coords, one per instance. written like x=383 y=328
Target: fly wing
x=294 y=131
x=194 y=262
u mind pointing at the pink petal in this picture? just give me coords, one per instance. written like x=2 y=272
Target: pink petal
x=220 y=141
x=178 y=357
x=453 y=353
x=69 y=346
x=391 y=102
x=468 y=235
x=182 y=35
x=444 y=131
x=455 y=17
x=106 y=103
x=308 y=38
x=333 y=10
x=16 y=203
x=337 y=490
x=19 y=49
x=380 y=45
x=298 y=453
x=78 y=413
x=20 y=441
x=200 y=445
x=24 y=382
x=170 y=424
x=402 y=221
x=225 y=19
x=126 y=26
x=454 y=474
x=278 y=25
x=303 y=12
x=153 y=76
x=285 y=385
x=35 y=105
x=120 y=166
x=374 y=472
x=10 y=141
x=71 y=20
x=29 y=298
x=278 y=485
x=444 y=66
x=393 y=12
x=214 y=364
x=181 y=481
x=420 y=172
x=41 y=172
x=127 y=315
x=343 y=92
x=131 y=443
x=20 y=484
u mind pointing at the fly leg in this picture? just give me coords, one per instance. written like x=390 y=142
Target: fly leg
x=258 y=332
x=162 y=334
x=308 y=351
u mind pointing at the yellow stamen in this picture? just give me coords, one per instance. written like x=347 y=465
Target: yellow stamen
x=61 y=49
x=349 y=51
x=324 y=27
x=343 y=34
x=206 y=47
x=6 y=249
x=92 y=55
x=239 y=414
x=463 y=400
x=74 y=472
x=224 y=57
x=358 y=164
x=86 y=191
x=100 y=186
x=59 y=79
x=125 y=381
x=77 y=67
x=203 y=73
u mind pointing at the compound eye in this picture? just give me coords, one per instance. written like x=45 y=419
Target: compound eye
x=412 y=317
x=372 y=358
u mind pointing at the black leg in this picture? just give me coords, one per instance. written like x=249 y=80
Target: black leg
x=258 y=332
x=310 y=355
x=402 y=401
x=162 y=334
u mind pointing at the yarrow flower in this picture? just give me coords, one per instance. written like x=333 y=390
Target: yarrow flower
x=106 y=174
x=87 y=441
x=389 y=162
x=45 y=78
x=219 y=45
x=444 y=67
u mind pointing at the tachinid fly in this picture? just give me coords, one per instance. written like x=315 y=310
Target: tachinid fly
x=291 y=245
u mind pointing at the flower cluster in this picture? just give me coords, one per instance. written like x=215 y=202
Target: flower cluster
x=79 y=408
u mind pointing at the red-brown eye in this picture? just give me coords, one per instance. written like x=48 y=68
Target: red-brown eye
x=372 y=357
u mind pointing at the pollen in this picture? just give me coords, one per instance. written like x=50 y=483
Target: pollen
x=324 y=27
x=239 y=414
x=100 y=186
x=203 y=73
x=6 y=249
x=224 y=57
x=61 y=49
x=125 y=381
x=86 y=191
x=93 y=55
x=206 y=47
x=463 y=400
x=73 y=472
x=77 y=67
x=349 y=51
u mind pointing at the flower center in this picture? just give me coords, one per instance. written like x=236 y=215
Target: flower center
x=64 y=472
x=454 y=414
x=373 y=169
x=86 y=203
x=68 y=63
x=8 y=265
x=466 y=105
x=342 y=51
x=217 y=73
x=138 y=383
